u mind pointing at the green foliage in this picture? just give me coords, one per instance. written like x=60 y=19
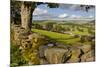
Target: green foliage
x=49 y=26
x=53 y=5
x=87 y=7
x=58 y=28
x=30 y=52
x=16 y=56
x=91 y=31
x=37 y=26
x=27 y=55
x=31 y=56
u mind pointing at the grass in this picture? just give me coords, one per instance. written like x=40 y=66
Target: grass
x=85 y=32
x=52 y=35
x=70 y=41
x=80 y=33
x=63 y=38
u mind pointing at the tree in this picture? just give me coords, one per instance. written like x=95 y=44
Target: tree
x=38 y=26
x=26 y=9
x=86 y=7
x=58 y=28
x=49 y=26
x=15 y=12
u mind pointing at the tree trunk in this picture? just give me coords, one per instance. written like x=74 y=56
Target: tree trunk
x=26 y=15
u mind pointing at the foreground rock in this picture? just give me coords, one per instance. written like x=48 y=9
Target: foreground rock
x=55 y=55
x=86 y=48
x=88 y=57
x=60 y=53
x=75 y=54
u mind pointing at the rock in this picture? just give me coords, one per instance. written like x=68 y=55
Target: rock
x=87 y=56
x=75 y=54
x=62 y=46
x=67 y=56
x=86 y=48
x=25 y=43
x=18 y=34
x=31 y=36
x=23 y=37
x=41 y=50
x=73 y=60
x=30 y=63
x=50 y=45
x=43 y=61
x=54 y=55
x=90 y=59
x=36 y=38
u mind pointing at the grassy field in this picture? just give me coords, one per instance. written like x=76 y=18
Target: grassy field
x=81 y=33
x=65 y=31
x=63 y=38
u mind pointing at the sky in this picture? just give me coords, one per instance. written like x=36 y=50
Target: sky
x=63 y=12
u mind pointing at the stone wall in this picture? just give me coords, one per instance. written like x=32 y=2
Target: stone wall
x=68 y=54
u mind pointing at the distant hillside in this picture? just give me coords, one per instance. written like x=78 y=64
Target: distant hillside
x=63 y=21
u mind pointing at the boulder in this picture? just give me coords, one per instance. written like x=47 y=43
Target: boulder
x=43 y=61
x=89 y=56
x=50 y=44
x=26 y=43
x=31 y=36
x=41 y=50
x=73 y=60
x=55 y=55
x=75 y=54
x=85 y=48
x=90 y=59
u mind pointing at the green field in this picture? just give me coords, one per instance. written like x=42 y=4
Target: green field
x=65 y=32
x=81 y=33
x=63 y=38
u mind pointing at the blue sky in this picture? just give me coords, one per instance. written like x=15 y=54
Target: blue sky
x=64 y=12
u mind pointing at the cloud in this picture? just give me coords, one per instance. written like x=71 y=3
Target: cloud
x=39 y=11
x=70 y=6
x=63 y=15
x=75 y=16
x=65 y=11
x=91 y=16
x=75 y=7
